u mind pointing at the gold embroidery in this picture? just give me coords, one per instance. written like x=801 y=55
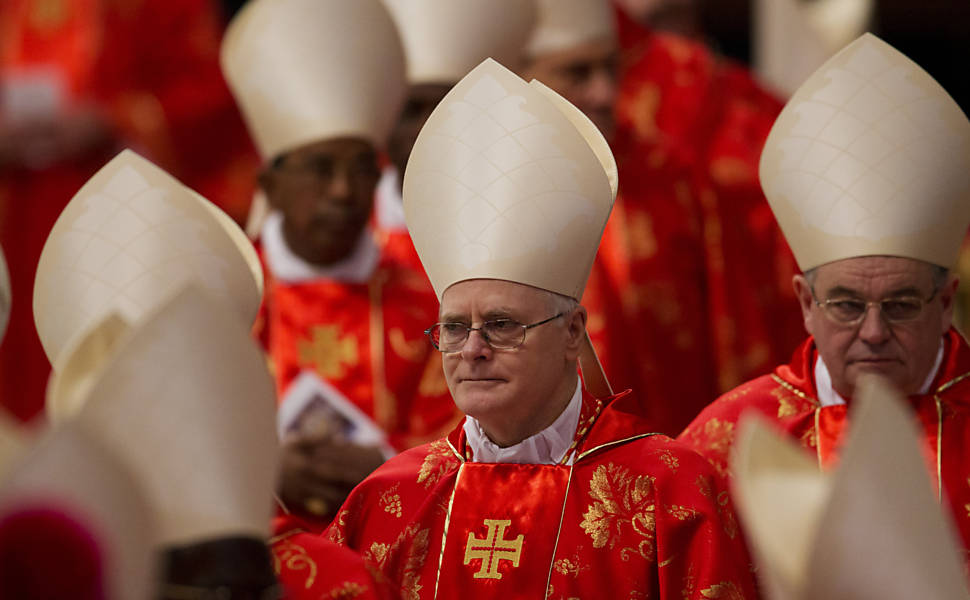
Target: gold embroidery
x=681 y=513
x=435 y=464
x=619 y=500
x=337 y=532
x=295 y=558
x=493 y=549
x=786 y=402
x=328 y=353
x=724 y=511
x=377 y=553
x=667 y=457
x=643 y=242
x=411 y=351
x=810 y=438
x=390 y=500
x=719 y=434
x=794 y=390
x=690 y=580
x=415 y=543
x=727 y=590
x=570 y=566
x=967 y=505
x=348 y=591
x=703 y=483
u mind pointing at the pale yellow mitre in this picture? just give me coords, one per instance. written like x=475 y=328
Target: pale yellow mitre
x=443 y=41
x=565 y=24
x=187 y=403
x=303 y=71
x=870 y=157
x=129 y=239
x=69 y=474
x=508 y=181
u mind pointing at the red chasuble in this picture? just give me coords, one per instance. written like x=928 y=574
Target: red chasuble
x=314 y=567
x=636 y=516
x=789 y=399
x=367 y=340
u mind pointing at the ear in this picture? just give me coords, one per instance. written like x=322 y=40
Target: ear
x=575 y=332
x=803 y=291
x=947 y=297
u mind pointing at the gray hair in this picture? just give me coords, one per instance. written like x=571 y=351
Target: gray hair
x=940 y=276
x=561 y=304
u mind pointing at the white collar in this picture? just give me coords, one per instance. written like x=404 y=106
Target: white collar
x=827 y=395
x=290 y=268
x=389 y=206
x=548 y=447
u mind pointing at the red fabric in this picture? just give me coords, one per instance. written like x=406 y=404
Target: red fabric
x=151 y=68
x=692 y=249
x=788 y=398
x=636 y=516
x=311 y=567
x=366 y=340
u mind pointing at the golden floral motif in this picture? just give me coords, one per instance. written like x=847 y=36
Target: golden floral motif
x=809 y=439
x=436 y=464
x=704 y=486
x=390 y=500
x=570 y=566
x=681 y=513
x=726 y=514
x=667 y=457
x=787 y=402
x=328 y=353
x=348 y=591
x=621 y=502
x=719 y=435
x=413 y=542
x=294 y=558
x=410 y=350
x=377 y=553
x=726 y=590
x=337 y=532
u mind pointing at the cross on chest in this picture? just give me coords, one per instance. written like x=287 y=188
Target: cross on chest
x=493 y=549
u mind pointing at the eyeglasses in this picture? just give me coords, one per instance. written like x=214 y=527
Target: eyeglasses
x=500 y=334
x=322 y=169
x=851 y=311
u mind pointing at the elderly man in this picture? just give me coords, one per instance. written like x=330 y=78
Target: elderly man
x=546 y=489
x=866 y=170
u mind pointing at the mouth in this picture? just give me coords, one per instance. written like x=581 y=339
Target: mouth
x=481 y=380
x=875 y=362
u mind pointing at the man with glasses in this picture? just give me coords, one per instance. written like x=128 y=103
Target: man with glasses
x=866 y=170
x=552 y=487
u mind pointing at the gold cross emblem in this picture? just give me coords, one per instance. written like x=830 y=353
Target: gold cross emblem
x=493 y=549
x=328 y=352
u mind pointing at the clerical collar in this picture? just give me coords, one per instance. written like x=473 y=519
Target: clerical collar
x=389 y=207
x=290 y=268
x=827 y=395
x=548 y=447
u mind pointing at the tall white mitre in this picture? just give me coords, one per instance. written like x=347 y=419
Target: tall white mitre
x=307 y=70
x=443 y=41
x=507 y=180
x=565 y=24
x=870 y=157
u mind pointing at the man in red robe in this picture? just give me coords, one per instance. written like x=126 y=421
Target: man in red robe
x=876 y=219
x=320 y=85
x=546 y=489
x=677 y=303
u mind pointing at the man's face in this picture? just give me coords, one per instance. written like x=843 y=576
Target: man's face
x=325 y=191
x=511 y=392
x=905 y=351
x=585 y=75
x=421 y=101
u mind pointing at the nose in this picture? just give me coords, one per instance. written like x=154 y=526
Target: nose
x=601 y=89
x=340 y=184
x=476 y=347
x=874 y=329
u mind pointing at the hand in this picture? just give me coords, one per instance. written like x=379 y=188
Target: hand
x=317 y=473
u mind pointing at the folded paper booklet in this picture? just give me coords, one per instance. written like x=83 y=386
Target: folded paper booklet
x=312 y=406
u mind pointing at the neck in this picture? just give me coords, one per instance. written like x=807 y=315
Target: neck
x=514 y=431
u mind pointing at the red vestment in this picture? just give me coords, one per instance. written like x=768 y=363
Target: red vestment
x=635 y=516
x=788 y=398
x=313 y=567
x=150 y=68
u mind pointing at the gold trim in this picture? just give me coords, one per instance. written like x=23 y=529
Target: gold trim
x=444 y=536
x=952 y=382
x=939 y=448
x=455 y=450
x=818 y=437
x=289 y=533
x=794 y=390
x=562 y=517
x=383 y=406
x=616 y=443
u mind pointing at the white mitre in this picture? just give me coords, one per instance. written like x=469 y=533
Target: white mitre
x=870 y=157
x=565 y=24
x=308 y=70
x=129 y=239
x=443 y=41
x=507 y=180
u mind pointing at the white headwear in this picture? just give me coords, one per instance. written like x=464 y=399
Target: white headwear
x=443 y=41
x=128 y=240
x=870 y=157
x=564 y=24
x=813 y=534
x=308 y=70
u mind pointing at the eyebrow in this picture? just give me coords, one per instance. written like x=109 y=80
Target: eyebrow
x=501 y=312
x=844 y=291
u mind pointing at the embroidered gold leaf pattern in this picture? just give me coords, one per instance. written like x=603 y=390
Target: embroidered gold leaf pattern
x=337 y=532
x=570 y=566
x=328 y=353
x=726 y=513
x=417 y=554
x=810 y=438
x=681 y=513
x=390 y=500
x=690 y=581
x=348 y=591
x=436 y=463
x=667 y=457
x=622 y=510
x=727 y=590
x=787 y=402
x=377 y=553
x=704 y=486
x=719 y=434
x=293 y=557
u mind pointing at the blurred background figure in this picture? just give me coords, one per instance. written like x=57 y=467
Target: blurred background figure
x=79 y=79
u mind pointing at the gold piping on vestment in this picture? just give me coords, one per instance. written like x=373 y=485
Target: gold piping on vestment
x=444 y=536
x=944 y=387
x=615 y=443
x=562 y=516
x=939 y=448
x=794 y=390
x=818 y=437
